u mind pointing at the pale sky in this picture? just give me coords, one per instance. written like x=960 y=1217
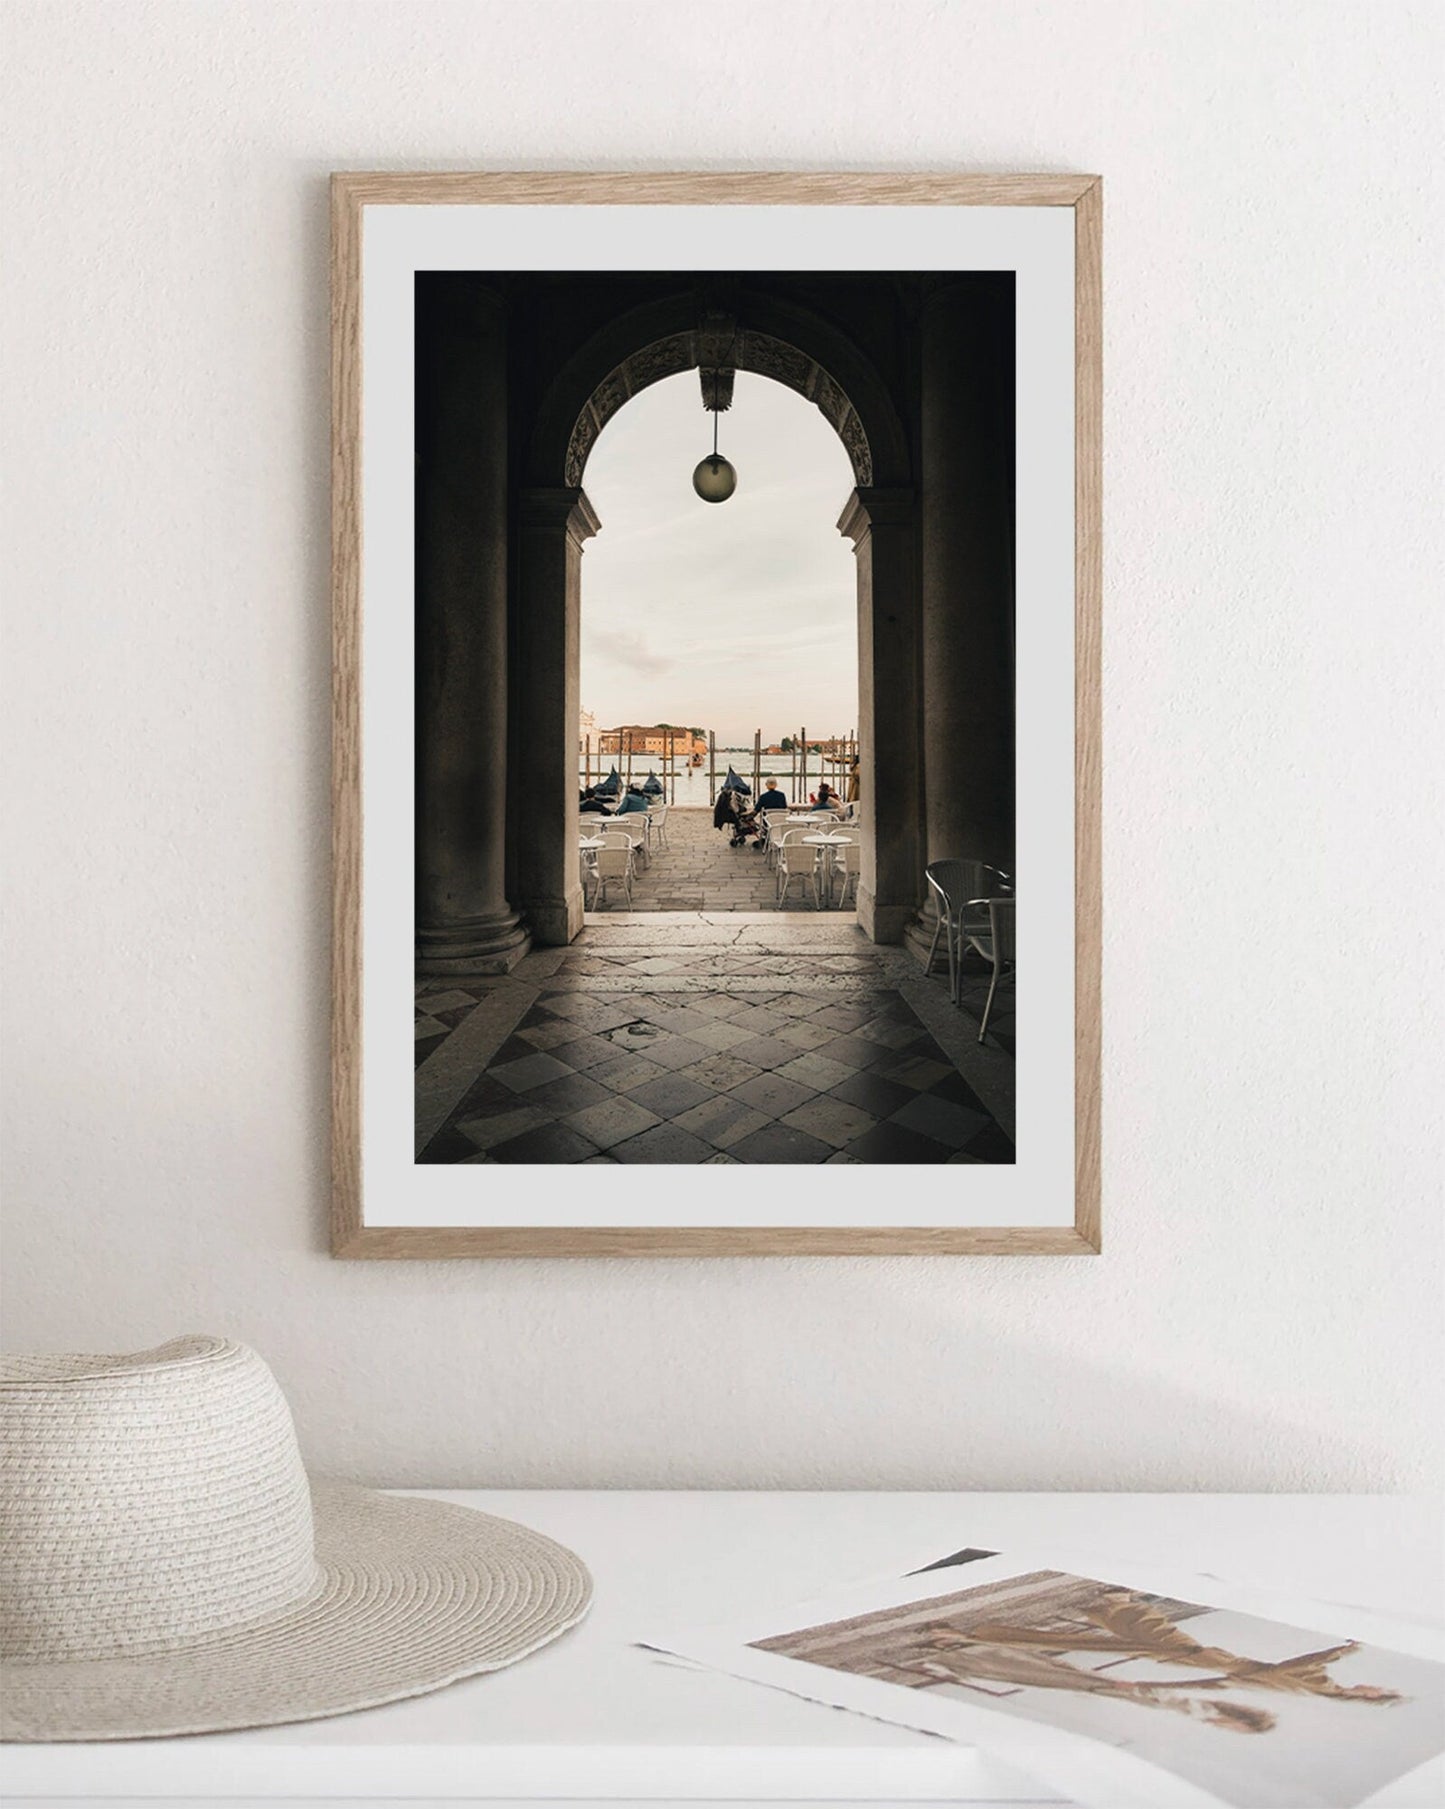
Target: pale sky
x=734 y=616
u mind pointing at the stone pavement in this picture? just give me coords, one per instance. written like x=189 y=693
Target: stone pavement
x=698 y=870
x=709 y=1038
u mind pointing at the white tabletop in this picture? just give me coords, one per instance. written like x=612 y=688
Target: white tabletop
x=593 y=1718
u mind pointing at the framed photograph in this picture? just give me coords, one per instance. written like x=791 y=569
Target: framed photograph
x=716 y=714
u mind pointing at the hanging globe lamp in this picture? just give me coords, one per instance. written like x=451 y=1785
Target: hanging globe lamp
x=714 y=479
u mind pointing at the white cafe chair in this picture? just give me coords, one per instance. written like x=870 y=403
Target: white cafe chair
x=587 y=857
x=776 y=821
x=797 y=861
x=847 y=858
x=613 y=865
x=633 y=824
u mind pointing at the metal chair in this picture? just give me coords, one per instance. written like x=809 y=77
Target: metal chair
x=996 y=944
x=957 y=885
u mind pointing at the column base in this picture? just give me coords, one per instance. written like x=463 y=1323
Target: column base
x=493 y=944
x=883 y=922
x=556 y=921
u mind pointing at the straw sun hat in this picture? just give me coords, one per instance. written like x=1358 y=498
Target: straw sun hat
x=167 y=1568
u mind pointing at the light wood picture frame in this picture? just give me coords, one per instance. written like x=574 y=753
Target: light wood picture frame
x=377 y=1210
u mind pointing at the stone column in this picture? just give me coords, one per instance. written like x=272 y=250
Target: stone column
x=968 y=568
x=464 y=923
x=551 y=526
x=882 y=524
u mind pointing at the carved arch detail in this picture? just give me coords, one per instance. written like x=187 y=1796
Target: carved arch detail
x=750 y=351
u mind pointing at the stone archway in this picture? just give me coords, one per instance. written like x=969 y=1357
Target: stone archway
x=554 y=521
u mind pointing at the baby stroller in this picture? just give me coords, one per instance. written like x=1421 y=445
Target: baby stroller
x=734 y=811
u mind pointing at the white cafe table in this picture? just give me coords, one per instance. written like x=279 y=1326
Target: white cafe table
x=595 y=1719
x=826 y=842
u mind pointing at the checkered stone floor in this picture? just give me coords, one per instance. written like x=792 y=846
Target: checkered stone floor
x=745 y=1042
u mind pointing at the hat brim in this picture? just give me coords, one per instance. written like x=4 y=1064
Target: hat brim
x=412 y=1595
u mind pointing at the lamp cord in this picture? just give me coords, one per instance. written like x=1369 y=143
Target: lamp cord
x=716 y=378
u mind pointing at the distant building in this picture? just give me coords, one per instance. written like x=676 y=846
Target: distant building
x=586 y=725
x=650 y=738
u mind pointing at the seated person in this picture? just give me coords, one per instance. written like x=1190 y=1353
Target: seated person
x=772 y=798
x=591 y=801
x=826 y=799
x=632 y=800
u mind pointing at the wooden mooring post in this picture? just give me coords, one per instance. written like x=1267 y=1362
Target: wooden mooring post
x=757 y=762
x=711 y=767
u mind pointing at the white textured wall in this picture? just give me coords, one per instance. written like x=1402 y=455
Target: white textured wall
x=1266 y=1314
